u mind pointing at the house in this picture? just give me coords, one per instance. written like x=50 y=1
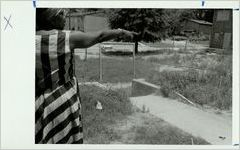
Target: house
x=197 y=26
x=86 y=22
x=221 y=36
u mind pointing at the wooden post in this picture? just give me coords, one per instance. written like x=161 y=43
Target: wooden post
x=85 y=62
x=100 y=63
x=186 y=45
x=69 y=23
x=173 y=44
x=134 y=48
x=85 y=54
x=83 y=28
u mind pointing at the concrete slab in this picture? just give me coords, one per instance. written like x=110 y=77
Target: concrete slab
x=140 y=87
x=214 y=128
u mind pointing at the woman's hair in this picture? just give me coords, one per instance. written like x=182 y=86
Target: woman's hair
x=50 y=18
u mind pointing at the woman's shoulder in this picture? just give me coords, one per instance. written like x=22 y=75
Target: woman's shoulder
x=46 y=32
x=51 y=32
x=53 y=38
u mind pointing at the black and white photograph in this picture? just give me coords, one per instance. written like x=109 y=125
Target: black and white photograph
x=152 y=76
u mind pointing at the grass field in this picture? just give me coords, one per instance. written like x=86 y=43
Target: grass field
x=119 y=122
x=211 y=85
x=157 y=131
x=207 y=81
x=116 y=106
x=114 y=69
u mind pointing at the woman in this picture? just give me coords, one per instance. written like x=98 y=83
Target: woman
x=57 y=101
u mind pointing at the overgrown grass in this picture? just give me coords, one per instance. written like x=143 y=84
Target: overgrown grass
x=213 y=86
x=196 y=60
x=114 y=69
x=158 y=44
x=156 y=131
x=209 y=84
x=96 y=123
x=101 y=126
x=172 y=59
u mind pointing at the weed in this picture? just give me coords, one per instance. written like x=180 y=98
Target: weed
x=165 y=91
x=172 y=59
x=210 y=87
x=116 y=106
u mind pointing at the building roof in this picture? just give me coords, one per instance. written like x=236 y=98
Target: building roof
x=77 y=14
x=201 y=22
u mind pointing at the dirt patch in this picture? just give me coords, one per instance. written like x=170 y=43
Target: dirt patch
x=124 y=127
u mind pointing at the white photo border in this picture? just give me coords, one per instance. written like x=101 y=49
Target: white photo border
x=18 y=51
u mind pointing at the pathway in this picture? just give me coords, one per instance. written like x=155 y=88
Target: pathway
x=214 y=128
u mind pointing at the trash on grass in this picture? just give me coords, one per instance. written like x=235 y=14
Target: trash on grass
x=99 y=106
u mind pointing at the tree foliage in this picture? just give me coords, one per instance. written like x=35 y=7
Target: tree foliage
x=150 y=23
x=175 y=18
x=155 y=24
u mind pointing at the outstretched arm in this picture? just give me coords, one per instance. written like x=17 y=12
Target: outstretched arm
x=80 y=39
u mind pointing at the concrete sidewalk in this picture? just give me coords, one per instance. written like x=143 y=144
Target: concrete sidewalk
x=214 y=128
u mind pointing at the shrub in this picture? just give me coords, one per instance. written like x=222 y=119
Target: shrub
x=165 y=91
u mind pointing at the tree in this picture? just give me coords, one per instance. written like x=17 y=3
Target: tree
x=155 y=24
x=175 y=18
x=148 y=22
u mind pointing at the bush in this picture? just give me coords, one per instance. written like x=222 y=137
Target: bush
x=165 y=91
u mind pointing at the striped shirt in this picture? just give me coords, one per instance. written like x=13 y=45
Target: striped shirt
x=57 y=101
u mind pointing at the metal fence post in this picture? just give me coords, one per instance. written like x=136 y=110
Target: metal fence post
x=100 y=63
x=85 y=54
x=134 y=73
x=186 y=45
x=173 y=43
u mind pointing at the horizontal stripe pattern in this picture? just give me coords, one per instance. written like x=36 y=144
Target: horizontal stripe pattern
x=68 y=126
x=55 y=117
x=60 y=118
x=75 y=139
x=72 y=133
x=57 y=103
x=63 y=99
